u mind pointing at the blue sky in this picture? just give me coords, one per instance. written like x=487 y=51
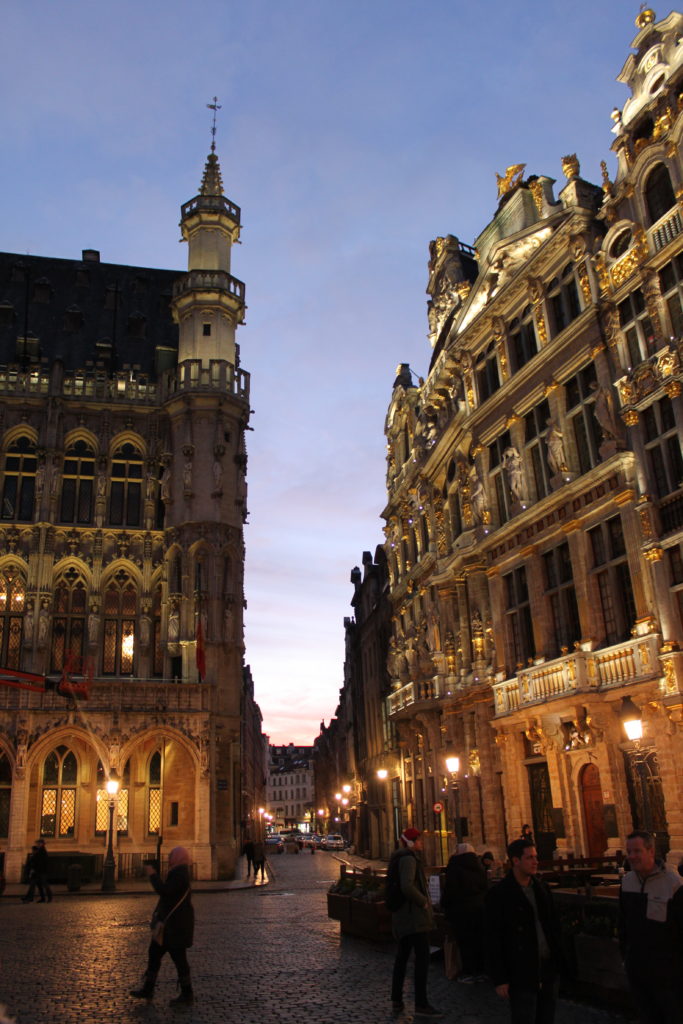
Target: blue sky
x=351 y=133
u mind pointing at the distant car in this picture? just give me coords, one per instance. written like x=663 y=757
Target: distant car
x=274 y=842
x=333 y=842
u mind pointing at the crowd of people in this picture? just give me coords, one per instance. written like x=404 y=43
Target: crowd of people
x=507 y=929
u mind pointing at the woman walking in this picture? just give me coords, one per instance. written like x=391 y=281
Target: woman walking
x=174 y=910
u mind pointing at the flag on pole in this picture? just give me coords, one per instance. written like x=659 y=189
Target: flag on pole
x=200 y=653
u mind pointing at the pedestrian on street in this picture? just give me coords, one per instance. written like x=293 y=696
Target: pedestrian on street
x=411 y=922
x=176 y=911
x=37 y=870
x=259 y=859
x=249 y=854
x=651 y=932
x=463 y=900
x=523 y=939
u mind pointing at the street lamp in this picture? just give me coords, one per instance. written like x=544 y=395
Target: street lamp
x=321 y=816
x=453 y=767
x=260 y=823
x=632 y=721
x=382 y=774
x=109 y=867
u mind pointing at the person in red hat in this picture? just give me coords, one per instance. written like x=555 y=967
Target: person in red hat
x=412 y=919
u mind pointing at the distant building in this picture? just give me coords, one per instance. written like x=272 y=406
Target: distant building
x=291 y=789
x=123 y=411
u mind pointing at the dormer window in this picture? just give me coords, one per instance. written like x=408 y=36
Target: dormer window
x=42 y=291
x=206 y=330
x=73 y=319
x=136 y=325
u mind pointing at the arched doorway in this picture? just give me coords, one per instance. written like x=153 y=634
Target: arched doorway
x=593 y=811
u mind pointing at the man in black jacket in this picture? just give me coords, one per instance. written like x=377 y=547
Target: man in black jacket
x=523 y=939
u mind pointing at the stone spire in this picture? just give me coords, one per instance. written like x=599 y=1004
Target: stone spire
x=212 y=183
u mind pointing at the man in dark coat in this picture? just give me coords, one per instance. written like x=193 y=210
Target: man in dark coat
x=411 y=923
x=463 y=900
x=523 y=939
x=176 y=910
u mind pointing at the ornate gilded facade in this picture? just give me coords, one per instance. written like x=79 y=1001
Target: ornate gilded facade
x=535 y=502
x=123 y=410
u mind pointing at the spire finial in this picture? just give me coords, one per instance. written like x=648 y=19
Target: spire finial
x=214 y=106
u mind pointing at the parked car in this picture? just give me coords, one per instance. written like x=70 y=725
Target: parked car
x=274 y=843
x=333 y=842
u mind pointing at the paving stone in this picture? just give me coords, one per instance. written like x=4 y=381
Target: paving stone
x=261 y=956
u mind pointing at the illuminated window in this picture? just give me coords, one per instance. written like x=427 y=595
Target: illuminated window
x=19 y=480
x=120 y=623
x=154 y=794
x=102 y=808
x=5 y=794
x=77 y=484
x=125 y=493
x=68 y=623
x=12 y=600
x=58 y=806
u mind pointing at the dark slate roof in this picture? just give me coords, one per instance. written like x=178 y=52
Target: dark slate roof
x=83 y=311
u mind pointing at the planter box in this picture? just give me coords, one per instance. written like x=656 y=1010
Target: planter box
x=598 y=962
x=339 y=907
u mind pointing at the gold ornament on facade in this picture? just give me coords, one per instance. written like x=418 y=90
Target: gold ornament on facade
x=669 y=676
x=463 y=288
x=503 y=361
x=602 y=272
x=606 y=183
x=512 y=177
x=679 y=196
x=536 y=189
x=654 y=554
x=541 y=327
x=497 y=328
x=624 y=267
x=469 y=389
x=630 y=417
x=570 y=166
x=662 y=124
x=673 y=388
x=627 y=392
x=584 y=282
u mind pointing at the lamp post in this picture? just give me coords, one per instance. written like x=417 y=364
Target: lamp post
x=109 y=867
x=453 y=767
x=632 y=721
x=321 y=819
x=260 y=823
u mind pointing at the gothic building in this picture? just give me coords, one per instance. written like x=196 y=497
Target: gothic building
x=535 y=503
x=123 y=413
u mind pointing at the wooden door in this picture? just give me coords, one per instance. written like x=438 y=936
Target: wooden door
x=593 y=811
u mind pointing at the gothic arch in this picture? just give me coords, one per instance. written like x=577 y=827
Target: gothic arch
x=114 y=567
x=128 y=437
x=82 y=434
x=61 y=567
x=19 y=430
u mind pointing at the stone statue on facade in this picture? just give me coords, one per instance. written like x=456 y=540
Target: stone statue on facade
x=603 y=411
x=477 y=496
x=554 y=440
x=43 y=624
x=514 y=470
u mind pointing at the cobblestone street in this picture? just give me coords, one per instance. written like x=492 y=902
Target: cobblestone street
x=261 y=955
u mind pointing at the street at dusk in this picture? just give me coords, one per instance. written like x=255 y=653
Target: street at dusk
x=269 y=954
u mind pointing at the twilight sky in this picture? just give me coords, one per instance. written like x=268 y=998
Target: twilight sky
x=351 y=133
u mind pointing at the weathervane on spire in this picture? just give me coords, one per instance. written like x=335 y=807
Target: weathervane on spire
x=214 y=106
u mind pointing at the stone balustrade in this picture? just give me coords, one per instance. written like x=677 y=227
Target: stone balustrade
x=632 y=661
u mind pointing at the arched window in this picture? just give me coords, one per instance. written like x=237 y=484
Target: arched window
x=58 y=805
x=102 y=809
x=523 y=344
x=19 y=480
x=5 y=794
x=77 y=484
x=154 y=794
x=68 y=623
x=12 y=602
x=659 y=193
x=120 y=617
x=125 y=495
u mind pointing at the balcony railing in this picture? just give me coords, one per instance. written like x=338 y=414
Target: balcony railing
x=414 y=693
x=629 y=662
x=209 y=280
x=671 y=513
x=666 y=229
x=219 y=375
x=219 y=203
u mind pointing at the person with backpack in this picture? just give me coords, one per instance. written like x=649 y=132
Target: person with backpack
x=412 y=919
